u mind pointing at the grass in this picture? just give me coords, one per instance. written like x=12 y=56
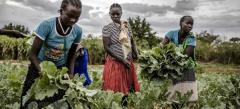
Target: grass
x=219 y=68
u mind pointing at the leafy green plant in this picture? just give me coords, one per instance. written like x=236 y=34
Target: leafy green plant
x=95 y=50
x=152 y=95
x=13 y=48
x=11 y=77
x=107 y=100
x=163 y=62
x=181 y=101
x=232 y=98
x=143 y=34
x=51 y=80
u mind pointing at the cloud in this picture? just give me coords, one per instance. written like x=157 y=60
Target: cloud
x=184 y=6
x=144 y=8
x=17 y=15
x=43 y=5
x=85 y=11
x=94 y=25
x=3 y=1
x=220 y=21
x=181 y=7
x=222 y=16
x=51 y=7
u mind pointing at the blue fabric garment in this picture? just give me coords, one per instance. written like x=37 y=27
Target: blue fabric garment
x=81 y=67
x=53 y=47
x=173 y=37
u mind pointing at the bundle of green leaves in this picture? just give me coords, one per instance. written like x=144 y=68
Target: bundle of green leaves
x=51 y=80
x=164 y=62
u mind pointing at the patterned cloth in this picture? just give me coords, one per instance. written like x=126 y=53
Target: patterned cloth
x=53 y=47
x=118 y=78
x=124 y=38
x=112 y=31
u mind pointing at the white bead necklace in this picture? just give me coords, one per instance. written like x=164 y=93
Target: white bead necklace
x=64 y=32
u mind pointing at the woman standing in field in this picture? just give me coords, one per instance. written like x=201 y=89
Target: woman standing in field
x=185 y=39
x=119 y=74
x=56 y=41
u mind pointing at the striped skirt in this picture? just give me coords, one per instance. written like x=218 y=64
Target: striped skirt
x=187 y=83
x=118 y=78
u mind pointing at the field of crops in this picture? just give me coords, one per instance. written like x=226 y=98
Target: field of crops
x=218 y=84
x=218 y=89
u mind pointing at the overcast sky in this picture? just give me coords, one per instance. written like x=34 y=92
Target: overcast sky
x=217 y=16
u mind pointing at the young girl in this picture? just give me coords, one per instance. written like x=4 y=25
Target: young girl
x=119 y=74
x=185 y=39
x=56 y=40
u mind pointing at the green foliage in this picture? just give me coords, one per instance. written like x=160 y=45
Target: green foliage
x=11 y=77
x=51 y=80
x=95 y=50
x=97 y=80
x=207 y=37
x=107 y=100
x=20 y=28
x=209 y=48
x=152 y=95
x=205 y=52
x=143 y=33
x=232 y=98
x=47 y=84
x=181 y=100
x=12 y=48
x=226 y=52
x=164 y=62
x=216 y=91
x=235 y=39
x=219 y=91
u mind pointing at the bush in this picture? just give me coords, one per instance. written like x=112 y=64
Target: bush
x=204 y=51
x=225 y=53
x=13 y=48
x=228 y=53
x=95 y=50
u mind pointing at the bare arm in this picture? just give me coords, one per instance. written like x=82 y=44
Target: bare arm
x=37 y=44
x=166 y=41
x=106 y=44
x=71 y=60
x=190 y=51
